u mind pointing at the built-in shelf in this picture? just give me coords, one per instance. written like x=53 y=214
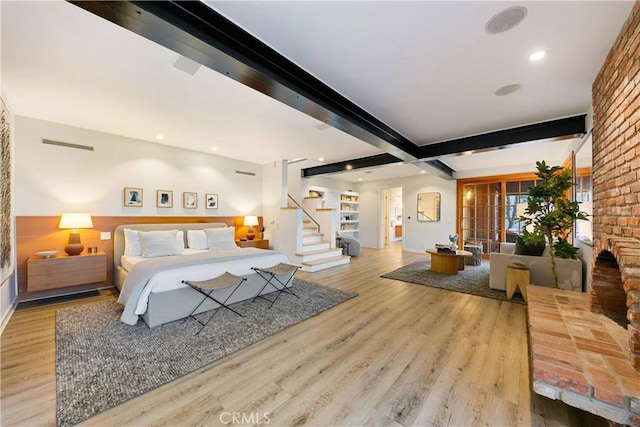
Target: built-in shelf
x=349 y=215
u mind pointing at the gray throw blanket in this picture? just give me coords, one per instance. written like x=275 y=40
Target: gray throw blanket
x=139 y=275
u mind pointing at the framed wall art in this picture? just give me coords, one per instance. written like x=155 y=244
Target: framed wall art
x=164 y=198
x=211 y=201
x=132 y=197
x=6 y=199
x=189 y=200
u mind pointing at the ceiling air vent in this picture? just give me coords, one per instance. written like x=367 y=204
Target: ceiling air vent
x=508 y=89
x=67 y=144
x=187 y=65
x=506 y=20
x=323 y=126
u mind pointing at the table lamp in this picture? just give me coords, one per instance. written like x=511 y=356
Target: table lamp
x=250 y=221
x=75 y=221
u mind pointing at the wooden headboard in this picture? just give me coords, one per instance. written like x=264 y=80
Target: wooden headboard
x=118 y=234
x=39 y=233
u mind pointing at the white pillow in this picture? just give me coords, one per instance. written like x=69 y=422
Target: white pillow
x=180 y=239
x=197 y=239
x=132 y=243
x=132 y=246
x=221 y=238
x=159 y=243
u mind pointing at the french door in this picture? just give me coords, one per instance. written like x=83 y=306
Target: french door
x=482 y=213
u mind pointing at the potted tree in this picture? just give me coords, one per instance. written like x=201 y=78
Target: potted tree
x=551 y=214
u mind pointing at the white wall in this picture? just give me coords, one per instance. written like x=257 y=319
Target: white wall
x=418 y=236
x=274 y=188
x=52 y=179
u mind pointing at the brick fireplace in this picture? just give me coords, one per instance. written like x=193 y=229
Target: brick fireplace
x=615 y=288
x=585 y=348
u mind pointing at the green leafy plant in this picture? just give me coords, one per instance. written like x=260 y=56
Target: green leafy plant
x=551 y=214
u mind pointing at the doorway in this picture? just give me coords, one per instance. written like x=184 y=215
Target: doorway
x=392 y=215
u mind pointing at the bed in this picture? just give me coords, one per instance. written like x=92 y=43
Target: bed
x=152 y=287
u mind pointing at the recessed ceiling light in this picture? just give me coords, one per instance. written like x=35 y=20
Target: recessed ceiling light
x=423 y=171
x=159 y=137
x=321 y=159
x=214 y=148
x=348 y=167
x=506 y=20
x=359 y=179
x=537 y=56
x=508 y=89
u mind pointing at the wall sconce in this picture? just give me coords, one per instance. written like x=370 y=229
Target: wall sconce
x=75 y=221
x=250 y=221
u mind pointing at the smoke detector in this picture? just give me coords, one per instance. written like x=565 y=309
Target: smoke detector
x=506 y=20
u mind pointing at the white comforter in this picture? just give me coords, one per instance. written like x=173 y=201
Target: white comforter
x=170 y=279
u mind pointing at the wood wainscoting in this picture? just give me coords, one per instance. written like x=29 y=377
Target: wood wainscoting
x=41 y=233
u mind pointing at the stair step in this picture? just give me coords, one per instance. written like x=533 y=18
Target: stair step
x=319 y=254
x=325 y=263
x=324 y=242
x=316 y=252
x=312 y=237
x=314 y=246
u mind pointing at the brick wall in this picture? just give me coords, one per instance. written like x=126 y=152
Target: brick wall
x=616 y=177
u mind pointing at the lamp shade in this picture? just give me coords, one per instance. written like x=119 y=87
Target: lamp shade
x=250 y=220
x=75 y=220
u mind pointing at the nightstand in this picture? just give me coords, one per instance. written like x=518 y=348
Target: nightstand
x=256 y=243
x=64 y=270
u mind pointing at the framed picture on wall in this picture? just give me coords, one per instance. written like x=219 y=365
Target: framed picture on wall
x=7 y=183
x=132 y=197
x=164 y=198
x=211 y=201
x=189 y=200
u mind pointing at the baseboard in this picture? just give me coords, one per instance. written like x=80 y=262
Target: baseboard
x=7 y=316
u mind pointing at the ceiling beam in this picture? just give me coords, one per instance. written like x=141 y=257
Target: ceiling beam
x=349 y=165
x=560 y=128
x=196 y=31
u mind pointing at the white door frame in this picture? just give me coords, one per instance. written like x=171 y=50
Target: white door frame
x=382 y=226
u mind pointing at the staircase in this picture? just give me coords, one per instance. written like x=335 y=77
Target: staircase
x=317 y=253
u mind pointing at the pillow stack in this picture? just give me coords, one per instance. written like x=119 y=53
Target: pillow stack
x=150 y=244
x=212 y=238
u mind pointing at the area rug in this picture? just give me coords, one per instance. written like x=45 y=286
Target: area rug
x=472 y=280
x=102 y=362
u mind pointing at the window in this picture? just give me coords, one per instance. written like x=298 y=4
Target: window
x=488 y=209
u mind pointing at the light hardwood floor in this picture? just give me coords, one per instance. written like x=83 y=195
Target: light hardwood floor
x=398 y=354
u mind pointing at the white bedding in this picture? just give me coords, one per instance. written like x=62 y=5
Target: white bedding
x=168 y=280
x=127 y=262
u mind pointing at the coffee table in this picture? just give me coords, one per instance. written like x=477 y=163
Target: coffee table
x=444 y=263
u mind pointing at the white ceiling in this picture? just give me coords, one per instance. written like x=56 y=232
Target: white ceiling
x=427 y=69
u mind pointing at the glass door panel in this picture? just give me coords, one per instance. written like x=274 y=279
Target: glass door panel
x=481 y=215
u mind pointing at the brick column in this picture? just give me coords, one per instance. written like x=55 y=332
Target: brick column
x=616 y=179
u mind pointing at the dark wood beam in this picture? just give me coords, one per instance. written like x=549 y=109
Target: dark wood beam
x=560 y=128
x=196 y=31
x=349 y=165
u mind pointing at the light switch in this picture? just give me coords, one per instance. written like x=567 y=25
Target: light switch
x=105 y=235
